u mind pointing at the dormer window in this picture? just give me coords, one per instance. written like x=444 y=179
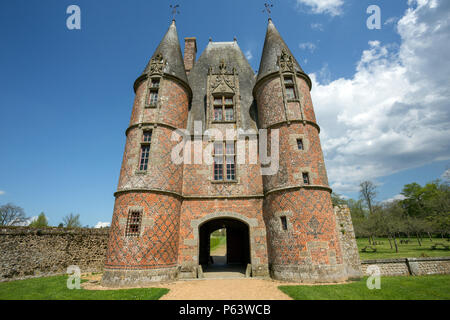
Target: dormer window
x=223 y=109
x=153 y=92
x=290 y=88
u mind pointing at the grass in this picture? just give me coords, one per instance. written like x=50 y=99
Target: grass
x=411 y=250
x=55 y=288
x=216 y=242
x=392 y=288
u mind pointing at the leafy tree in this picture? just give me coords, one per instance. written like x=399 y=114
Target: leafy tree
x=11 y=215
x=338 y=200
x=368 y=193
x=40 y=222
x=72 y=221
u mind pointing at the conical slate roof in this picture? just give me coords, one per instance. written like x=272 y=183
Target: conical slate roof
x=170 y=49
x=273 y=46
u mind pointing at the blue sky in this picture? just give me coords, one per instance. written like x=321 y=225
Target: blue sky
x=66 y=95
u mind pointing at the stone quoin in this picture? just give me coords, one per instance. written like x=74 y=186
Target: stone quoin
x=282 y=226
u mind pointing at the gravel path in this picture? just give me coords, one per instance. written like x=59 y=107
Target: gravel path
x=229 y=289
x=210 y=289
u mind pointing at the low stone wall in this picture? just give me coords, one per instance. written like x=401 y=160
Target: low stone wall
x=409 y=266
x=30 y=252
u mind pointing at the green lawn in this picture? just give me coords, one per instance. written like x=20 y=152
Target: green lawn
x=55 y=288
x=216 y=242
x=392 y=288
x=411 y=250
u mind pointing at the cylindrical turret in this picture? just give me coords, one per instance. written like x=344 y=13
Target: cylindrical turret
x=143 y=244
x=302 y=237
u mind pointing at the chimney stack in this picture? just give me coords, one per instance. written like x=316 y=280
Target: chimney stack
x=190 y=53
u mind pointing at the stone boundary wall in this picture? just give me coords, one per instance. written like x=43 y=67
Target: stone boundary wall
x=34 y=252
x=346 y=234
x=409 y=266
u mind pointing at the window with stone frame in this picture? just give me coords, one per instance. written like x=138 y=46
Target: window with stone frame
x=134 y=223
x=283 y=223
x=300 y=144
x=223 y=108
x=153 y=92
x=289 y=86
x=306 y=178
x=225 y=161
x=145 y=150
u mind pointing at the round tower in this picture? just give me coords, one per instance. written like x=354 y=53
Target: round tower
x=143 y=243
x=303 y=243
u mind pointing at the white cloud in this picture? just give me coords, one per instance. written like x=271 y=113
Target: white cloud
x=317 y=26
x=29 y=221
x=331 y=7
x=446 y=175
x=391 y=20
x=393 y=114
x=395 y=198
x=102 y=225
x=307 y=46
x=248 y=55
x=2 y=192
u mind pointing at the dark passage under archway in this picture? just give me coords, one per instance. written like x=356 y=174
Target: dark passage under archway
x=238 y=241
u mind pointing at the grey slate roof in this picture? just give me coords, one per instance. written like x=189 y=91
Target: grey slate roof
x=171 y=51
x=273 y=45
x=233 y=56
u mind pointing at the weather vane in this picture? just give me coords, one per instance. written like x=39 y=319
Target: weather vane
x=175 y=10
x=268 y=8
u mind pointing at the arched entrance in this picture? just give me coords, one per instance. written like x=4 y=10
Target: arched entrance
x=237 y=245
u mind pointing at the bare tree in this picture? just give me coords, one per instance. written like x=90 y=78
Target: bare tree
x=368 y=192
x=72 y=221
x=11 y=215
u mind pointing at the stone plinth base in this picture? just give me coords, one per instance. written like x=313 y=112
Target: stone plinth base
x=129 y=278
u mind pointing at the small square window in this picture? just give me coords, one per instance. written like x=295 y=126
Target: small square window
x=229 y=101
x=300 y=144
x=305 y=178
x=284 y=223
x=288 y=80
x=153 y=99
x=155 y=83
x=147 y=136
x=290 y=92
x=134 y=223
x=229 y=114
x=218 y=114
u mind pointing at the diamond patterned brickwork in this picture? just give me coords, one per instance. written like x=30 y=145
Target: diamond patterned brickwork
x=162 y=173
x=157 y=247
x=171 y=109
x=311 y=237
x=271 y=105
x=294 y=162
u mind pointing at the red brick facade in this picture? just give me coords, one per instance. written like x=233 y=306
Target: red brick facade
x=176 y=200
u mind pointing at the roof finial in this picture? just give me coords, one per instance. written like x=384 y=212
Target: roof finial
x=174 y=11
x=268 y=9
